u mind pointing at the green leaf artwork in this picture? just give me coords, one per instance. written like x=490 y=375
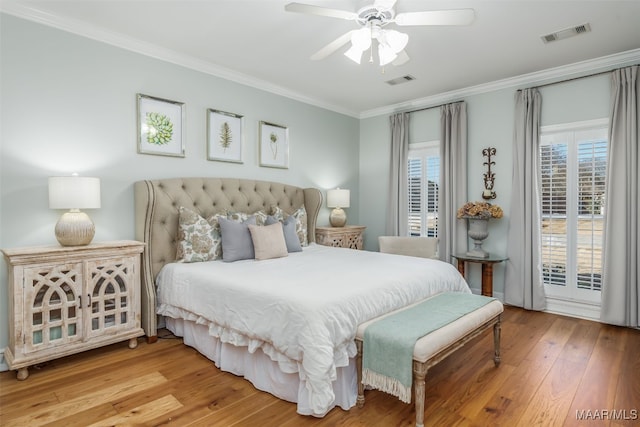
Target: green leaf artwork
x=274 y=144
x=160 y=129
x=226 y=136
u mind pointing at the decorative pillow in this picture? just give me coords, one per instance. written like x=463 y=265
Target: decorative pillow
x=268 y=241
x=289 y=232
x=261 y=216
x=300 y=216
x=198 y=238
x=236 y=239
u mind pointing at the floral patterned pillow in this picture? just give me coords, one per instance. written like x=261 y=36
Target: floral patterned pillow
x=261 y=216
x=199 y=239
x=301 y=222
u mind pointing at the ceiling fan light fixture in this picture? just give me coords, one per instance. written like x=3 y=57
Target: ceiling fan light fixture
x=386 y=54
x=354 y=54
x=396 y=40
x=372 y=18
x=361 y=39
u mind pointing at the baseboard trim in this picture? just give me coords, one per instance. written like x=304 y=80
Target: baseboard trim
x=578 y=309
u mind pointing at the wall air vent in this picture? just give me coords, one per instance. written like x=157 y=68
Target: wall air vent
x=400 y=80
x=566 y=33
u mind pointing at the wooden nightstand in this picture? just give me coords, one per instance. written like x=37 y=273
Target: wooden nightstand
x=349 y=236
x=64 y=300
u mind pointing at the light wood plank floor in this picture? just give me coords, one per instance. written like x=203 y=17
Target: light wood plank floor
x=552 y=367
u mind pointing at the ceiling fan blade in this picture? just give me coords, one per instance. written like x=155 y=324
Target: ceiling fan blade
x=384 y=4
x=436 y=17
x=322 y=11
x=402 y=58
x=333 y=46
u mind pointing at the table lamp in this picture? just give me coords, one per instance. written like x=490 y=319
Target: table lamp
x=338 y=199
x=74 y=228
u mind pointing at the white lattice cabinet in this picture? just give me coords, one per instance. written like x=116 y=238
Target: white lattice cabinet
x=64 y=300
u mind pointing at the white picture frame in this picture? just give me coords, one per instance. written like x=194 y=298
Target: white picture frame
x=224 y=136
x=274 y=145
x=161 y=127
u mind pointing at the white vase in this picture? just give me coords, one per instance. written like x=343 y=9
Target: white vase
x=478 y=231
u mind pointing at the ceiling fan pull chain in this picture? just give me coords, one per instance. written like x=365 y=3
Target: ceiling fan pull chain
x=371 y=47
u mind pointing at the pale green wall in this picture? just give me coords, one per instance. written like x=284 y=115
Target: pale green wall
x=490 y=124
x=69 y=105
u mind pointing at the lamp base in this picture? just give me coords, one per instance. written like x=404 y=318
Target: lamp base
x=75 y=228
x=338 y=218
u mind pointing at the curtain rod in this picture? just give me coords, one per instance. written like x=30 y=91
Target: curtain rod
x=571 y=79
x=434 y=106
x=580 y=77
x=537 y=86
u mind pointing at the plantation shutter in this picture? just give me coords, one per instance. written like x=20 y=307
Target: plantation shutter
x=415 y=172
x=553 y=165
x=423 y=183
x=592 y=165
x=573 y=171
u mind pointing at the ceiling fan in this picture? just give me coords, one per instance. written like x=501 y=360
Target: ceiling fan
x=372 y=20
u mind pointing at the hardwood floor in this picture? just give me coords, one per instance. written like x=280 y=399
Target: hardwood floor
x=552 y=368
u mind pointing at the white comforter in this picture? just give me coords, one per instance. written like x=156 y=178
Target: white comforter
x=301 y=310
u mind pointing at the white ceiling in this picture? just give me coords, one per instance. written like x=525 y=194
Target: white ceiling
x=258 y=43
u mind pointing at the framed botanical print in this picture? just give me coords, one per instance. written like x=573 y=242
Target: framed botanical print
x=224 y=136
x=160 y=126
x=274 y=145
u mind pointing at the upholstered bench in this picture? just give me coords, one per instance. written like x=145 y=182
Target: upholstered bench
x=438 y=344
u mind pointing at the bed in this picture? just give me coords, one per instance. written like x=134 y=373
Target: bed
x=287 y=324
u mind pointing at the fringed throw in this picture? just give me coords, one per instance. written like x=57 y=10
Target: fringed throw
x=387 y=362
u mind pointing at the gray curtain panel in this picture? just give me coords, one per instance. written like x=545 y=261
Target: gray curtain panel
x=621 y=265
x=523 y=274
x=397 y=215
x=452 y=193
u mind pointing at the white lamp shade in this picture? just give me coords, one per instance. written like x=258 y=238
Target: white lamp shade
x=361 y=39
x=386 y=54
x=74 y=192
x=338 y=198
x=354 y=54
x=396 y=40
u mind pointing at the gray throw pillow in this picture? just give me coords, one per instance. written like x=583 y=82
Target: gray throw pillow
x=289 y=230
x=236 y=239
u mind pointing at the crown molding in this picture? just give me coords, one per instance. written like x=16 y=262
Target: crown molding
x=547 y=76
x=551 y=75
x=83 y=29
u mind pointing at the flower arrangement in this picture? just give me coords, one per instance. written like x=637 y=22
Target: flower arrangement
x=479 y=210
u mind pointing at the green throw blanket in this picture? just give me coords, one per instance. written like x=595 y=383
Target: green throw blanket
x=387 y=363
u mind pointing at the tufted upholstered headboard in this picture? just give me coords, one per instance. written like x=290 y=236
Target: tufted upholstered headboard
x=156 y=218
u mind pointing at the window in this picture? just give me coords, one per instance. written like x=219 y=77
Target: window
x=573 y=161
x=423 y=181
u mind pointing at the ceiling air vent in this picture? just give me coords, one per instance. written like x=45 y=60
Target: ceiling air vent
x=567 y=32
x=399 y=80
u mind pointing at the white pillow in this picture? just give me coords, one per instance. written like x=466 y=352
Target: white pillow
x=268 y=241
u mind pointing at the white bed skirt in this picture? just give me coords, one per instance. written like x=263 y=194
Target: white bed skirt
x=261 y=371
